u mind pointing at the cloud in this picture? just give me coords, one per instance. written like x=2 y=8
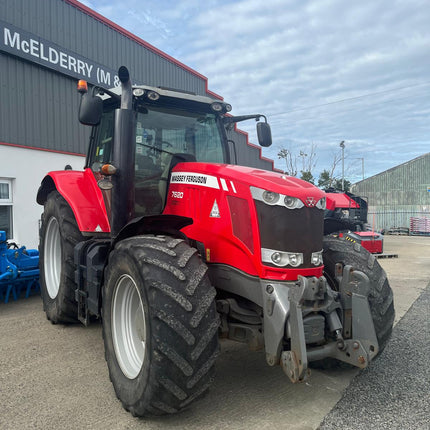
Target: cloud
x=322 y=71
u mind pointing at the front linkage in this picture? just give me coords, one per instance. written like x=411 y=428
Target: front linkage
x=319 y=322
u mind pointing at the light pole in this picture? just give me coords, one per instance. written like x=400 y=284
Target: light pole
x=342 y=145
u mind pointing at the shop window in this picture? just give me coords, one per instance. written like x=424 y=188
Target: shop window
x=6 y=204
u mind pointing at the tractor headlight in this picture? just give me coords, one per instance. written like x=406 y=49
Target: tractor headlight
x=138 y=92
x=321 y=204
x=152 y=95
x=270 y=197
x=292 y=202
x=281 y=258
x=273 y=198
x=317 y=258
x=216 y=107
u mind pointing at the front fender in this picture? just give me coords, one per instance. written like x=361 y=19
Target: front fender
x=155 y=224
x=82 y=193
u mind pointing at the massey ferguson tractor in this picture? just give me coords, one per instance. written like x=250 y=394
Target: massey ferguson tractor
x=346 y=216
x=173 y=247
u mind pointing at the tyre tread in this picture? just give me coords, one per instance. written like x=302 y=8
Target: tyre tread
x=184 y=323
x=62 y=309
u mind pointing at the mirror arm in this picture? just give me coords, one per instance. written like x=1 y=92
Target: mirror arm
x=101 y=91
x=227 y=120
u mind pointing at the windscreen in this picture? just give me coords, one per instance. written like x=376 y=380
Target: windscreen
x=162 y=133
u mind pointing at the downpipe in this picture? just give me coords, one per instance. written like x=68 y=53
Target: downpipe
x=354 y=338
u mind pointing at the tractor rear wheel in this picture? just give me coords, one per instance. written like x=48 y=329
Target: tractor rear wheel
x=380 y=296
x=160 y=325
x=58 y=236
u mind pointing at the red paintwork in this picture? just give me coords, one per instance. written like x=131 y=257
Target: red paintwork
x=84 y=197
x=196 y=201
x=367 y=234
x=339 y=200
x=371 y=241
x=373 y=246
x=222 y=246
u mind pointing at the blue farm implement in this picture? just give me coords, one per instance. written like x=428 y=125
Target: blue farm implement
x=19 y=270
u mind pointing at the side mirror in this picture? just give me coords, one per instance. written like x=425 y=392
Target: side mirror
x=90 y=109
x=264 y=134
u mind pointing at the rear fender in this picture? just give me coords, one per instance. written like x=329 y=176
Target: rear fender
x=81 y=192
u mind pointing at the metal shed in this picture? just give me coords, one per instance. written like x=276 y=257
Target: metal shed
x=399 y=195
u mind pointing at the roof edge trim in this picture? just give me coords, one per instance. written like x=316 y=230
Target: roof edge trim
x=55 y=151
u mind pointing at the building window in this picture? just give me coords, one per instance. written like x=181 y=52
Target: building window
x=6 y=203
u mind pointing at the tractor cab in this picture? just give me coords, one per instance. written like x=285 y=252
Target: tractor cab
x=162 y=127
x=162 y=136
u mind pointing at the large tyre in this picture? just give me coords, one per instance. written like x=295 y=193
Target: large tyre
x=58 y=236
x=160 y=325
x=380 y=297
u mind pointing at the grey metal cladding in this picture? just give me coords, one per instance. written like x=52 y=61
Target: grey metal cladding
x=248 y=155
x=402 y=185
x=39 y=108
x=72 y=29
x=397 y=194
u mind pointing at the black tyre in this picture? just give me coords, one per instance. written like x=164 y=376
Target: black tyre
x=58 y=236
x=380 y=297
x=160 y=325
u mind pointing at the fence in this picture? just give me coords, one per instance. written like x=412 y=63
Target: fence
x=400 y=219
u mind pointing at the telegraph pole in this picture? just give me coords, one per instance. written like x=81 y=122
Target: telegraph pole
x=342 y=145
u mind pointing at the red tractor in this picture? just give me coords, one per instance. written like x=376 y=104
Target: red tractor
x=346 y=216
x=173 y=247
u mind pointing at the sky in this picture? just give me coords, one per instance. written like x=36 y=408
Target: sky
x=322 y=71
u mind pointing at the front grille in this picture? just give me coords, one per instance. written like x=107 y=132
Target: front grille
x=291 y=230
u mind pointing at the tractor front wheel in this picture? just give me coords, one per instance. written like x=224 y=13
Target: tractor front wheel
x=380 y=296
x=159 y=324
x=58 y=236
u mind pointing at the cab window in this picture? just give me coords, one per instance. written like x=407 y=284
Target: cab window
x=103 y=141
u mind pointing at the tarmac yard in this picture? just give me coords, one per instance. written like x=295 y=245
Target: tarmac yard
x=55 y=376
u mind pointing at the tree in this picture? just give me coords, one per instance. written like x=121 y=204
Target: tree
x=307 y=176
x=346 y=184
x=307 y=160
x=325 y=181
x=290 y=161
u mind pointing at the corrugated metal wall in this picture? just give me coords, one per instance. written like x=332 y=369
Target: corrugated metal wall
x=396 y=195
x=39 y=106
x=248 y=155
x=72 y=29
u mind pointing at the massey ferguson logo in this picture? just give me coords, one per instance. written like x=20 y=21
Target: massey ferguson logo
x=310 y=202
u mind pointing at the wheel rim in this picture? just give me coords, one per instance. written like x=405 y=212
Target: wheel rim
x=128 y=327
x=52 y=258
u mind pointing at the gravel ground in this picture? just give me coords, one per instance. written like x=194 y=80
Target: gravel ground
x=393 y=393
